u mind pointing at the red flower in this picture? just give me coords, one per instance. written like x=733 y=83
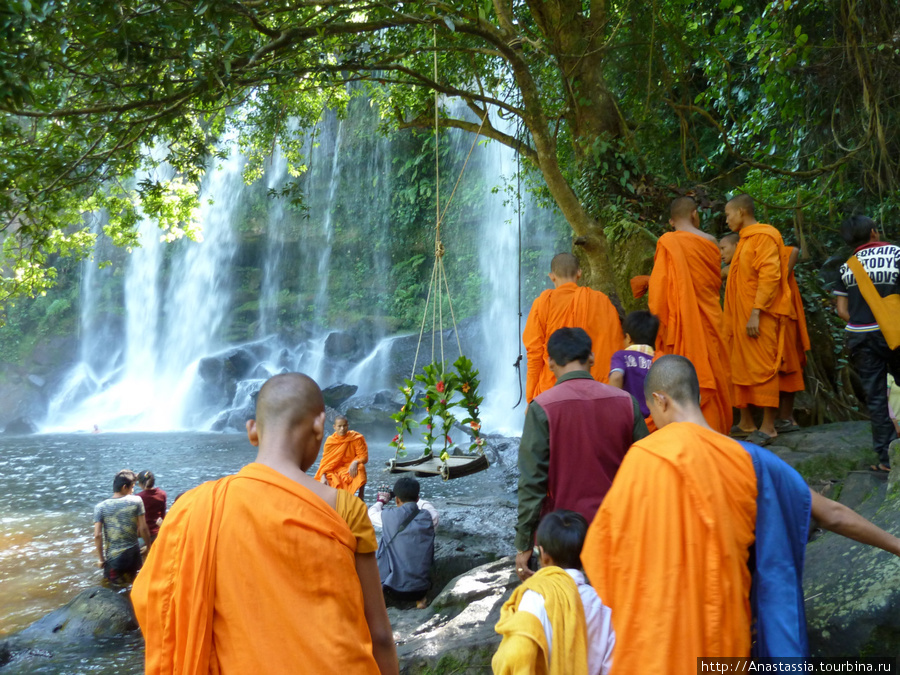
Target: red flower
x=449 y=440
x=396 y=438
x=440 y=387
x=443 y=401
x=428 y=426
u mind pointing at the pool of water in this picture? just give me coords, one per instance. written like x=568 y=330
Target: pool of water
x=50 y=483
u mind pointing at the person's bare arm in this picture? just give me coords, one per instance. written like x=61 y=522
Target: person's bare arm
x=144 y=531
x=842 y=520
x=793 y=258
x=98 y=542
x=383 y=647
x=842 y=308
x=617 y=379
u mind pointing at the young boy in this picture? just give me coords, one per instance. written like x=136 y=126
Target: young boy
x=727 y=245
x=628 y=367
x=538 y=609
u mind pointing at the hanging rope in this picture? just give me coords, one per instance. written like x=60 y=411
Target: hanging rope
x=518 y=364
x=439 y=283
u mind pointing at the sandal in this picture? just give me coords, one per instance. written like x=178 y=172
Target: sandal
x=879 y=468
x=737 y=432
x=759 y=438
x=786 y=426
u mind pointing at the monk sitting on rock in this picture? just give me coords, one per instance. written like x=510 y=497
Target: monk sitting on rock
x=344 y=459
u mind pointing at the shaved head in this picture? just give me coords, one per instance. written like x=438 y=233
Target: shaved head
x=564 y=265
x=288 y=400
x=340 y=418
x=744 y=202
x=674 y=376
x=682 y=208
x=730 y=238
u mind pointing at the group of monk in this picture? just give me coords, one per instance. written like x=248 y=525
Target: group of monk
x=749 y=354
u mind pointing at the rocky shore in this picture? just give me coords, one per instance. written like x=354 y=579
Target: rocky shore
x=852 y=591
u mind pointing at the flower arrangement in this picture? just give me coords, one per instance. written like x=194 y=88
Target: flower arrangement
x=440 y=387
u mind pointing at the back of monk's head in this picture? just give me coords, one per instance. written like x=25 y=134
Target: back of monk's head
x=857 y=230
x=675 y=377
x=732 y=238
x=744 y=202
x=287 y=401
x=561 y=534
x=682 y=208
x=564 y=265
x=569 y=344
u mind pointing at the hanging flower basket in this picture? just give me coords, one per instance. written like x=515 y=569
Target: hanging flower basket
x=446 y=391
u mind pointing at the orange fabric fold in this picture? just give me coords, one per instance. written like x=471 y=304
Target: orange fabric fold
x=570 y=306
x=758 y=280
x=796 y=339
x=668 y=551
x=337 y=456
x=639 y=286
x=235 y=561
x=684 y=294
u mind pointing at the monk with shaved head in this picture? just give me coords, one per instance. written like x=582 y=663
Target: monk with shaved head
x=668 y=551
x=267 y=570
x=568 y=305
x=684 y=294
x=344 y=458
x=758 y=305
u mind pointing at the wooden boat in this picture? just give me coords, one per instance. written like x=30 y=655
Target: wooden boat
x=456 y=466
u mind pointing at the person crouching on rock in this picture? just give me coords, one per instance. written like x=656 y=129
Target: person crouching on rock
x=118 y=522
x=406 y=551
x=344 y=458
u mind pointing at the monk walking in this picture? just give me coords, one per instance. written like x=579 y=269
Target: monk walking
x=568 y=305
x=267 y=570
x=757 y=306
x=668 y=550
x=684 y=294
x=796 y=344
x=343 y=464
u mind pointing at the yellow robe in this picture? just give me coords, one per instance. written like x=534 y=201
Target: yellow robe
x=569 y=306
x=253 y=573
x=668 y=551
x=338 y=454
x=524 y=647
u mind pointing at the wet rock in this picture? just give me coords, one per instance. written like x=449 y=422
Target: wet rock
x=210 y=369
x=37 y=381
x=457 y=630
x=338 y=393
x=389 y=397
x=261 y=373
x=367 y=416
x=340 y=345
x=21 y=426
x=238 y=363
x=94 y=613
x=852 y=591
x=55 y=351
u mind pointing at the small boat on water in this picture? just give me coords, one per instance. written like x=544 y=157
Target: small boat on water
x=455 y=466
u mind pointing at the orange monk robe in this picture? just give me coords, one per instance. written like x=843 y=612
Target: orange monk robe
x=796 y=340
x=684 y=294
x=757 y=279
x=253 y=573
x=668 y=551
x=339 y=452
x=570 y=306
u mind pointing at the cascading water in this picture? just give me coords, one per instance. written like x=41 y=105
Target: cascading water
x=276 y=176
x=324 y=266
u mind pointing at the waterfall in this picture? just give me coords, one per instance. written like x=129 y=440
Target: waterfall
x=324 y=266
x=271 y=281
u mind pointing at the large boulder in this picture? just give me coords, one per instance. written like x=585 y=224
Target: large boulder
x=94 y=613
x=20 y=426
x=340 y=345
x=457 y=630
x=338 y=393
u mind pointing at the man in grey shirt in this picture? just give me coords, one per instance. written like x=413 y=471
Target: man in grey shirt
x=118 y=522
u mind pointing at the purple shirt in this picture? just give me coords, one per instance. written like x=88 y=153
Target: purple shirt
x=635 y=366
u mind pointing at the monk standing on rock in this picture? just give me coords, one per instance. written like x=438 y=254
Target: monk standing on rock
x=569 y=305
x=757 y=308
x=684 y=294
x=267 y=570
x=343 y=464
